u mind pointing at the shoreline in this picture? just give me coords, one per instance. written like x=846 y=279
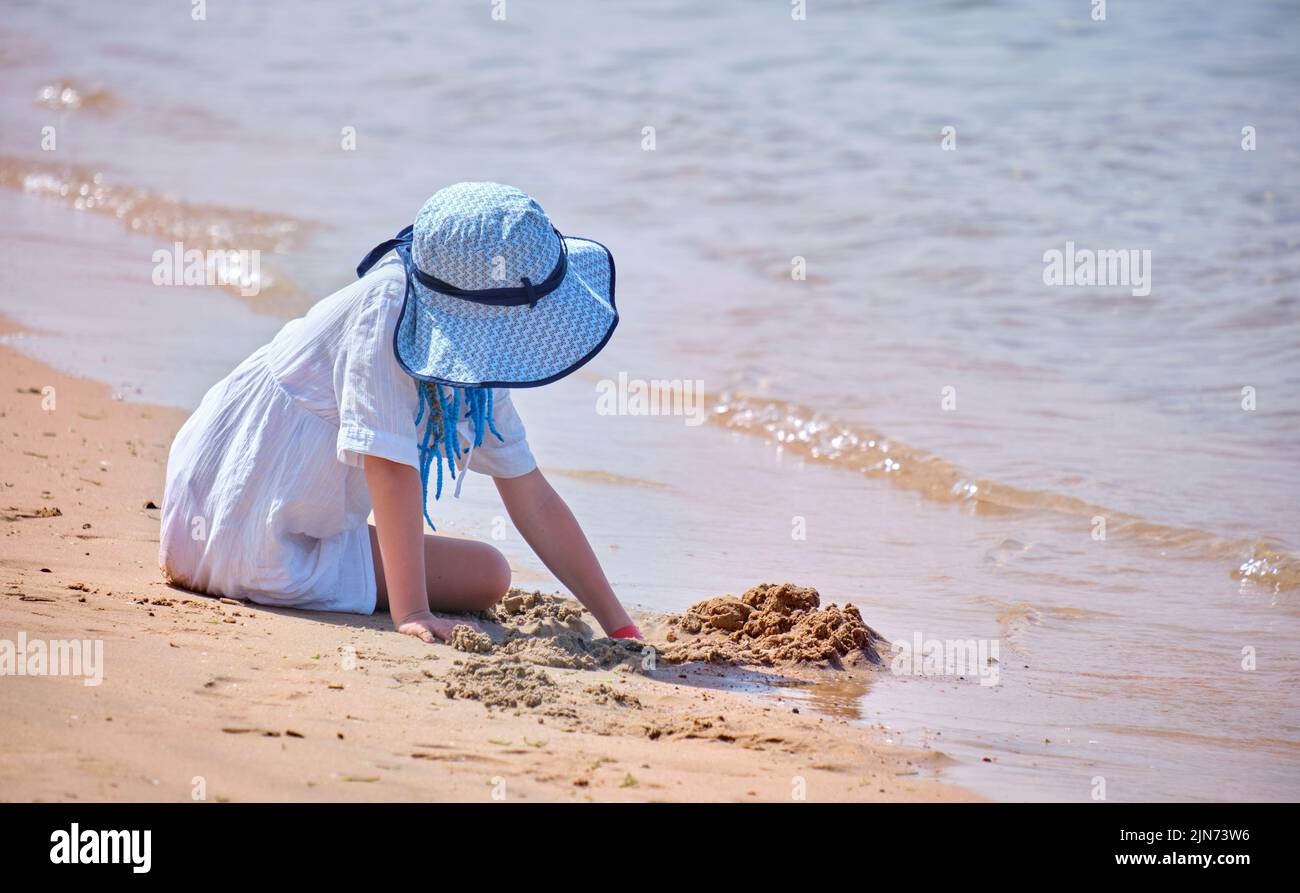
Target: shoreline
x=205 y=699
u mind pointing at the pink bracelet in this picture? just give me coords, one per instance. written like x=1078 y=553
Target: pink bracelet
x=626 y=632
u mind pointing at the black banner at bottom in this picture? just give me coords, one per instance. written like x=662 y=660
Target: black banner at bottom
x=318 y=841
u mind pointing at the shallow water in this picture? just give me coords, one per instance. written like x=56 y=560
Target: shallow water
x=1120 y=658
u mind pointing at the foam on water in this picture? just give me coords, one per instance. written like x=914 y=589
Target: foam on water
x=820 y=438
x=197 y=227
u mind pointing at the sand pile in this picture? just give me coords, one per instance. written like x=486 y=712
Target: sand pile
x=772 y=624
x=769 y=625
x=548 y=630
x=532 y=612
x=528 y=631
x=465 y=638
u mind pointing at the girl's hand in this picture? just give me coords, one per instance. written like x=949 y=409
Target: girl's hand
x=426 y=627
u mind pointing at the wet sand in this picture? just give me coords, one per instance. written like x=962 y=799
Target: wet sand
x=236 y=702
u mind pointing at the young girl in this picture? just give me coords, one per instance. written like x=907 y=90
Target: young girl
x=401 y=376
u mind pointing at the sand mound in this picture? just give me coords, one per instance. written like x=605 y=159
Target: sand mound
x=769 y=625
x=548 y=630
x=465 y=638
x=772 y=624
x=535 y=609
x=528 y=631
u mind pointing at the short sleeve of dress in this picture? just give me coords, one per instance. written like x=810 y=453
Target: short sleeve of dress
x=511 y=456
x=377 y=400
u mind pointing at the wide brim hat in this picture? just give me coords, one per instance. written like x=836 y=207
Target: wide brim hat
x=496 y=296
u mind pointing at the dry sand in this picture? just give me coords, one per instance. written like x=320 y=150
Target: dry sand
x=242 y=703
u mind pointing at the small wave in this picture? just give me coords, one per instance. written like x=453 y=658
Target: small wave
x=819 y=438
x=608 y=478
x=70 y=96
x=199 y=226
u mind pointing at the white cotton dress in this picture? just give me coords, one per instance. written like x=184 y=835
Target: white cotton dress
x=266 y=495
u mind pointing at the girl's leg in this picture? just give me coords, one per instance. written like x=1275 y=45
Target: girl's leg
x=461 y=575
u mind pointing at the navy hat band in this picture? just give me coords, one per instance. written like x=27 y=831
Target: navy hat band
x=515 y=296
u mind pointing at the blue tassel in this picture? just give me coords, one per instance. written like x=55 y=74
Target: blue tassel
x=437 y=406
x=473 y=410
x=454 y=444
x=438 y=493
x=449 y=434
x=427 y=456
x=492 y=425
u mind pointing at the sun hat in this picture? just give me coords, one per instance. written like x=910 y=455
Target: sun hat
x=495 y=297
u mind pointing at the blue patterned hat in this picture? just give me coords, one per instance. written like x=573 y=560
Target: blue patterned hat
x=496 y=296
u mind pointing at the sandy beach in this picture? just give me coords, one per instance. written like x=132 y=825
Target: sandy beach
x=869 y=242
x=236 y=702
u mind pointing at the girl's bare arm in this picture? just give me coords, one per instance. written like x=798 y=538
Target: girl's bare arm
x=550 y=528
x=395 y=495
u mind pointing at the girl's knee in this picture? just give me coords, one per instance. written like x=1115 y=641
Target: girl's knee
x=496 y=577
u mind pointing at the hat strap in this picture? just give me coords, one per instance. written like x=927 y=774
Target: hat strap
x=529 y=293
x=376 y=253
